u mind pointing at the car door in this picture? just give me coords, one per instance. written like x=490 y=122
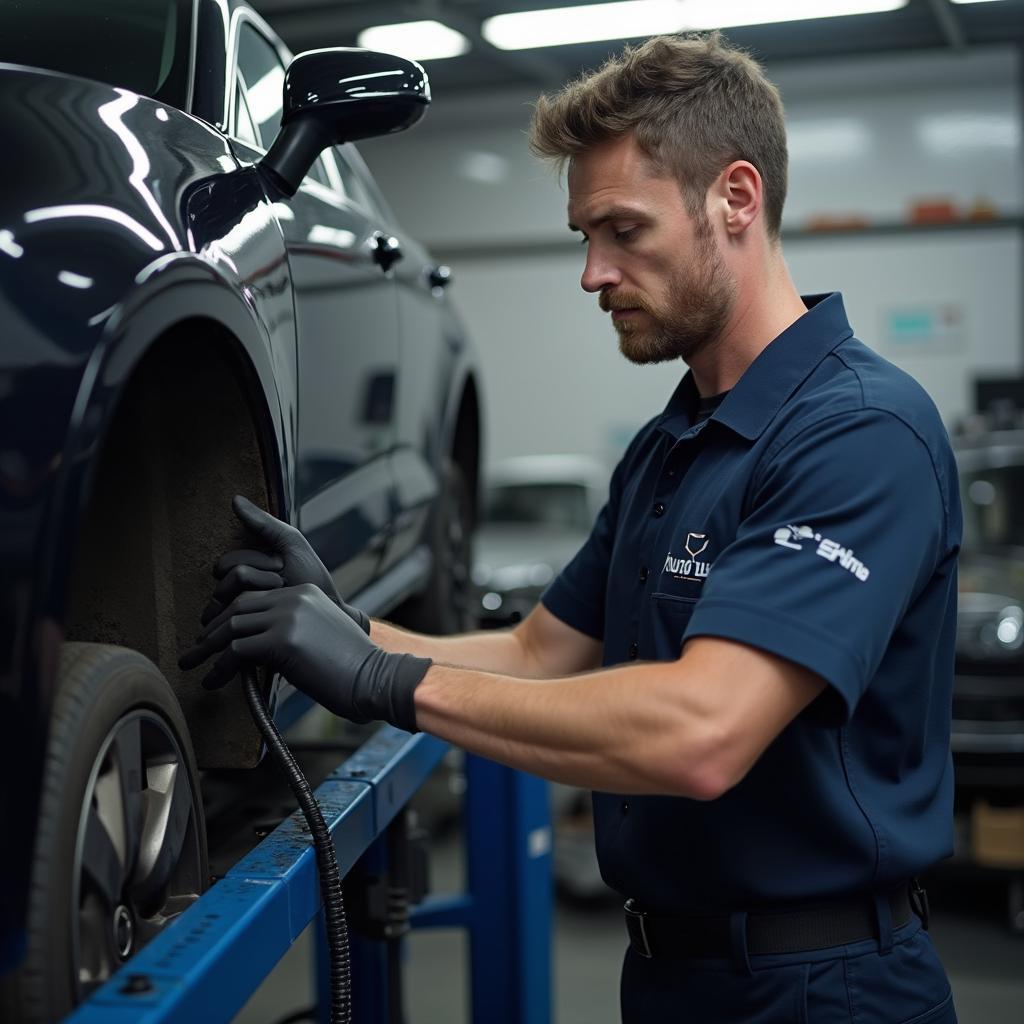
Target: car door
x=346 y=316
x=425 y=355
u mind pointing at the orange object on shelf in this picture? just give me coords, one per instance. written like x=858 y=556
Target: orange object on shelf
x=933 y=211
x=997 y=835
x=983 y=209
x=832 y=222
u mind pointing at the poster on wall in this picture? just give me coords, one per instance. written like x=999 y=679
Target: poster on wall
x=924 y=328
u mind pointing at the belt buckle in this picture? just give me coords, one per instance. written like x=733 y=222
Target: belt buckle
x=637 y=928
x=919 y=902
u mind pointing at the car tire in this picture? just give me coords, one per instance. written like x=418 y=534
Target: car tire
x=120 y=799
x=445 y=605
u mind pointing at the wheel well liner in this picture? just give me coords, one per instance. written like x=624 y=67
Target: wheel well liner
x=187 y=433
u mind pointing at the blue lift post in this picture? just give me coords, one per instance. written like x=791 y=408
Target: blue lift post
x=506 y=908
x=206 y=965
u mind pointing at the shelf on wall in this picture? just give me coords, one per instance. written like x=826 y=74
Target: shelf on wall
x=904 y=228
x=465 y=251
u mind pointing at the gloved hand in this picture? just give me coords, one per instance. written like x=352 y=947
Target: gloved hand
x=301 y=633
x=292 y=561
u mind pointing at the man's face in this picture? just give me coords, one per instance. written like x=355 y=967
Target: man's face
x=657 y=270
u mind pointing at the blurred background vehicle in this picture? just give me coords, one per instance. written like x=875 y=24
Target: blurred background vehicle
x=537 y=511
x=988 y=699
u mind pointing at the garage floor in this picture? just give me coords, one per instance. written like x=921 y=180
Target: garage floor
x=983 y=958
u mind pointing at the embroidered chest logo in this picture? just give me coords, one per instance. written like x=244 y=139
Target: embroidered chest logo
x=793 y=537
x=690 y=566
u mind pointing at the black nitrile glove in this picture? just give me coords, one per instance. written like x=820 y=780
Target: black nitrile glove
x=291 y=561
x=301 y=633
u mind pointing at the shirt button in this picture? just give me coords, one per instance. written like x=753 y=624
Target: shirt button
x=625 y=807
x=644 y=573
x=659 y=509
x=634 y=649
x=672 y=471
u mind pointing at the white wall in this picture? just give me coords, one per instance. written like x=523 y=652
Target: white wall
x=868 y=137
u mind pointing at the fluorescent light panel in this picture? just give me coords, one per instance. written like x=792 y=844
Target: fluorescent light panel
x=416 y=40
x=621 y=20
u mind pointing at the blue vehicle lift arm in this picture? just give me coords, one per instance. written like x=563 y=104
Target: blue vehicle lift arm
x=206 y=964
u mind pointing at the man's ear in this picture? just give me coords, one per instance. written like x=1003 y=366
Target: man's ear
x=740 y=193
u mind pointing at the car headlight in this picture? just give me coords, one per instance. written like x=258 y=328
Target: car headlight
x=1007 y=631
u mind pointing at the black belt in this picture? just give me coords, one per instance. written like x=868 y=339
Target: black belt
x=799 y=929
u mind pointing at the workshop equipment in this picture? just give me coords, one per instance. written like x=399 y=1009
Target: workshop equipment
x=207 y=964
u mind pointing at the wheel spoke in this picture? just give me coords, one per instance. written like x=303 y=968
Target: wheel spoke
x=168 y=808
x=101 y=860
x=93 y=966
x=127 y=753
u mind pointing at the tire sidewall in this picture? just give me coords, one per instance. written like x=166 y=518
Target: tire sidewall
x=99 y=685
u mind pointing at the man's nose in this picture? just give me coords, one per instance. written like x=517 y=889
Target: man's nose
x=598 y=273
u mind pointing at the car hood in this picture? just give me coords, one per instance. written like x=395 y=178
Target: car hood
x=990 y=614
x=991 y=575
x=510 y=555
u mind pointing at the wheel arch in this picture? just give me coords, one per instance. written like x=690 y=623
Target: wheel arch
x=155 y=450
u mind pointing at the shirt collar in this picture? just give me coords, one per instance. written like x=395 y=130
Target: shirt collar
x=784 y=364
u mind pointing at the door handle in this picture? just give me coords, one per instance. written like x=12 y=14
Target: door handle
x=439 y=277
x=387 y=250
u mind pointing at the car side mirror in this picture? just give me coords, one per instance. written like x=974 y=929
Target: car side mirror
x=340 y=95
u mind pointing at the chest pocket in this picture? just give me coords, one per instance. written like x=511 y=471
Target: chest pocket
x=670 y=617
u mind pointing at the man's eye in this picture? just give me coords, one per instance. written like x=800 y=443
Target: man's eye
x=626 y=235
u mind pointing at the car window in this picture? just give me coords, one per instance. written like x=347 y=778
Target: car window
x=992 y=498
x=350 y=181
x=245 y=130
x=140 y=45
x=259 y=96
x=555 y=504
x=263 y=73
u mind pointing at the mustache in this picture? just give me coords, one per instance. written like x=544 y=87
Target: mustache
x=620 y=300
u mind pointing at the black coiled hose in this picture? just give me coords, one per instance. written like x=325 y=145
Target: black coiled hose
x=326 y=862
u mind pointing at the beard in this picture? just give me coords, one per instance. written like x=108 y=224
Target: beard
x=700 y=297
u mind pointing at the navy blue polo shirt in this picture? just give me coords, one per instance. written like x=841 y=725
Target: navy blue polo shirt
x=815 y=515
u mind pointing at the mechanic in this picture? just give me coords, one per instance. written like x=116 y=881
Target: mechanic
x=750 y=660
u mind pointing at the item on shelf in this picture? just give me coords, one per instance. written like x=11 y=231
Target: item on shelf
x=983 y=209
x=933 y=211
x=998 y=835
x=837 y=222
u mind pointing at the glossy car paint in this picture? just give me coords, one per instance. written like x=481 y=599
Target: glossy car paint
x=119 y=216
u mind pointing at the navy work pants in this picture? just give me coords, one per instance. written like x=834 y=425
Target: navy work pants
x=861 y=983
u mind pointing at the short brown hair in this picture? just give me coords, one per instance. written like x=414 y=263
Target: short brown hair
x=694 y=104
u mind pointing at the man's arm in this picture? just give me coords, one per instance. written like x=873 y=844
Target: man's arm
x=539 y=647
x=693 y=727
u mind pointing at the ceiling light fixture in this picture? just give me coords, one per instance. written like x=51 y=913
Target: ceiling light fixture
x=415 y=40
x=592 y=23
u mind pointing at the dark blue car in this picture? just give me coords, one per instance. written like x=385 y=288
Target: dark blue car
x=202 y=293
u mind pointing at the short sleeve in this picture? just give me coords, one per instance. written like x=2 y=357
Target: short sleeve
x=577 y=594
x=847 y=525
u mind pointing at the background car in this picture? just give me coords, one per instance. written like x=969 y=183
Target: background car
x=988 y=699
x=537 y=511
x=189 y=313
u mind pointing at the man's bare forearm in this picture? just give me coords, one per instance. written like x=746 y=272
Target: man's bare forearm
x=498 y=651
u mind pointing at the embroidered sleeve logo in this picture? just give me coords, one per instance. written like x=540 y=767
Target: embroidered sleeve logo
x=794 y=537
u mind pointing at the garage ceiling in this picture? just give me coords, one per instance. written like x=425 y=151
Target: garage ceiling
x=921 y=25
